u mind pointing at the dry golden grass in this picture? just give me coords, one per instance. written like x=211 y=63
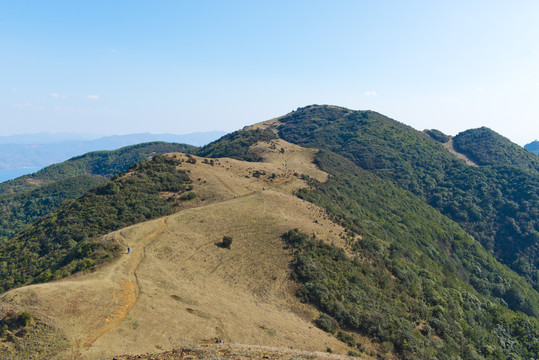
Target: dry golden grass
x=178 y=288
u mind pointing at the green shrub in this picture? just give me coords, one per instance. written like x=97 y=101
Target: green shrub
x=24 y=318
x=326 y=323
x=226 y=242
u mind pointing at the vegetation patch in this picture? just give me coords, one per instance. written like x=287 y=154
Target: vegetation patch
x=18 y=210
x=486 y=147
x=225 y=243
x=29 y=198
x=438 y=135
x=236 y=145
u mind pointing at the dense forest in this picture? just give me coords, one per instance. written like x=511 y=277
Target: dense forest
x=18 y=210
x=486 y=147
x=236 y=145
x=497 y=205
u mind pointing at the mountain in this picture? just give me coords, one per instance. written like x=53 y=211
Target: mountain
x=19 y=158
x=495 y=204
x=533 y=147
x=486 y=147
x=30 y=197
x=335 y=241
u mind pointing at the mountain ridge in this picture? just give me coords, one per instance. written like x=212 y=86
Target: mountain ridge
x=380 y=265
x=399 y=153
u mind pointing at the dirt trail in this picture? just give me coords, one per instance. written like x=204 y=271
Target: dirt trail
x=125 y=298
x=449 y=146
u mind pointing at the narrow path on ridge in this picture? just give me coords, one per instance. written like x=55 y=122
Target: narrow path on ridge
x=124 y=299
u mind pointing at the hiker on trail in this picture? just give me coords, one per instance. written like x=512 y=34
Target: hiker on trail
x=128 y=250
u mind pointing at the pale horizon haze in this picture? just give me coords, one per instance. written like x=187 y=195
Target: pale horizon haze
x=121 y=67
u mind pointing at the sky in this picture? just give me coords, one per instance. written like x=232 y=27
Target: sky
x=120 y=67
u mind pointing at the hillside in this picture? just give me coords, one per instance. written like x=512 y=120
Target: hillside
x=67 y=239
x=394 y=227
x=243 y=294
x=18 y=210
x=321 y=254
x=246 y=294
x=495 y=204
x=486 y=147
x=28 y=198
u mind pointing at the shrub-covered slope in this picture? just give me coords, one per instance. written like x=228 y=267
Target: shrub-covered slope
x=66 y=240
x=498 y=205
x=29 y=198
x=236 y=145
x=486 y=147
x=99 y=163
x=18 y=210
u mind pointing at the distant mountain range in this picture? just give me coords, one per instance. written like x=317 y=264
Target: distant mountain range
x=27 y=153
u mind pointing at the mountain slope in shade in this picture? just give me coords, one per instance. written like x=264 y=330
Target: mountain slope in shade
x=31 y=197
x=18 y=210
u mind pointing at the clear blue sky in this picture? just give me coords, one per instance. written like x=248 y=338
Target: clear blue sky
x=117 y=67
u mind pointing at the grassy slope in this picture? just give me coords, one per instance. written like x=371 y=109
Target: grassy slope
x=495 y=204
x=416 y=266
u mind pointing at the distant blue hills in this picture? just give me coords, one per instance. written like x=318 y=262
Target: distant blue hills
x=28 y=153
x=533 y=146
